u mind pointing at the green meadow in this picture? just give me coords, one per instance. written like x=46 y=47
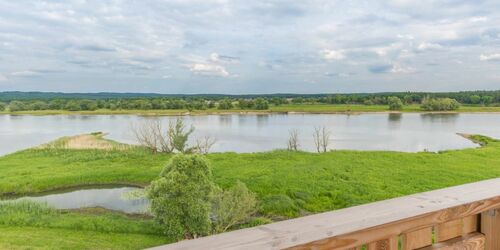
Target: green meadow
x=288 y=184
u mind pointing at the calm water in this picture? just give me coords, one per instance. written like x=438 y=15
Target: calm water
x=110 y=198
x=251 y=133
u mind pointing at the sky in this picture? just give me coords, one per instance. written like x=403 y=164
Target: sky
x=243 y=46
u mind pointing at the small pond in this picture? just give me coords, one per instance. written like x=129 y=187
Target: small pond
x=113 y=198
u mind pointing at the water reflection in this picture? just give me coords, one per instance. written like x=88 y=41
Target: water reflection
x=109 y=198
x=251 y=133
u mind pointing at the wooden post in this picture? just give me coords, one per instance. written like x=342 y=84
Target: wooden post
x=490 y=227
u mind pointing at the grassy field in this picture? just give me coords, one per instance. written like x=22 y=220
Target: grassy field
x=288 y=184
x=36 y=226
x=307 y=108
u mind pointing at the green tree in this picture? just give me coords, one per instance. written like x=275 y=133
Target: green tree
x=394 y=103
x=16 y=106
x=181 y=197
x=72 y=105
x=179 y=135
x=487 y=100
x=3 y=106
x=225 y=104
x=475 y=99
x=39 y=105
x=261 y=104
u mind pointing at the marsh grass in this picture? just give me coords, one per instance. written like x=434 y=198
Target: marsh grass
x=33 y=214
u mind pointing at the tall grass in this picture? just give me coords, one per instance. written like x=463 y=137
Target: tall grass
x=33 y=214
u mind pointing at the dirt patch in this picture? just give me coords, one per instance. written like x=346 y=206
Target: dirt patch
x=85 y=141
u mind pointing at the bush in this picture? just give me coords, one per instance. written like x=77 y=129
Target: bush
x=394 y=103
x=180 y=198
x=280 y=205
x=3 y=106
x=232 y=207
x=439 y=104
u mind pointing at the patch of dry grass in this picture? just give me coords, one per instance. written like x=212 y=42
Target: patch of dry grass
x=85 y=141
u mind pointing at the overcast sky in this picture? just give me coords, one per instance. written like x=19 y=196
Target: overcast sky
x=223 y=46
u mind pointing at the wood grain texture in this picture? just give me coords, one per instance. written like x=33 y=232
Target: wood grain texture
x=449 y=230
x=387 y=244
x=417 y=239
x=355 y=226
x=490 y=227
x=474 y=241
x=470 y=224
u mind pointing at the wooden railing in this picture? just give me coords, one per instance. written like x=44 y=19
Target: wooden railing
x=461 y=217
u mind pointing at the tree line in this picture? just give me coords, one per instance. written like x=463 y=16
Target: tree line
x=428 y=101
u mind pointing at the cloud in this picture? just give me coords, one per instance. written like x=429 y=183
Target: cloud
x=332 y=55
x=380 y=68
x=391 y=68
x=214 y=57
x=429 y=47
x=208 y=69
x=3 y=78
x=490 y=57
x=24 y=73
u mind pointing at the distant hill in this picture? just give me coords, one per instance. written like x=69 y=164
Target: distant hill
x=19 y=95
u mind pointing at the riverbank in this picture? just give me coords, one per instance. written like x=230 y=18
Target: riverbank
x=283 y=109
x=288 y=184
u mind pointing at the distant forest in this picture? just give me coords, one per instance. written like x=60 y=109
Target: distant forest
x=20 y=101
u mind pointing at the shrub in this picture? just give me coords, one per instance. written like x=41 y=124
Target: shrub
x=2 y=106
x=394 y=103
x=439 y=104
x=280 y=205
x=232 y=207
x=180 y=198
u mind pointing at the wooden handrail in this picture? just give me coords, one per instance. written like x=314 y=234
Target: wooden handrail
x=468 y=214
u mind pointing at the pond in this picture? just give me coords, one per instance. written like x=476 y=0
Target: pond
x=113 y=198
x=407 y=132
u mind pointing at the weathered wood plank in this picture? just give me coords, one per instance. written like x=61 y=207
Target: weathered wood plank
x=474 y=241
x=387 y=244
x=417 y=239
x=352 y=227
x=449 y=230
x=490 y=227
x=470 y=224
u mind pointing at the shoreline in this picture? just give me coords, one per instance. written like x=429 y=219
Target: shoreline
x=237 y=112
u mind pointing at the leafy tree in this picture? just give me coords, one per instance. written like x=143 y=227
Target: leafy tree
x=475 y=99
x=72 y=105
x=39 y=105
x=16 y=106
x=261 y=104
x=179 y=135
x=439 y=104
x=225 y=104
x=487 y=100
x=232 y=207
x=3 y=106
x=394 y=103
x=181 y=197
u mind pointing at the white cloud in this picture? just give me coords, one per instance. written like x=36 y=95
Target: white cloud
x=490 y=57
x=24 y=73
x=397 y=68
x=166 y=76
x=332 y=55
x=429 y=46
x=3 y=78
x=208 y=69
